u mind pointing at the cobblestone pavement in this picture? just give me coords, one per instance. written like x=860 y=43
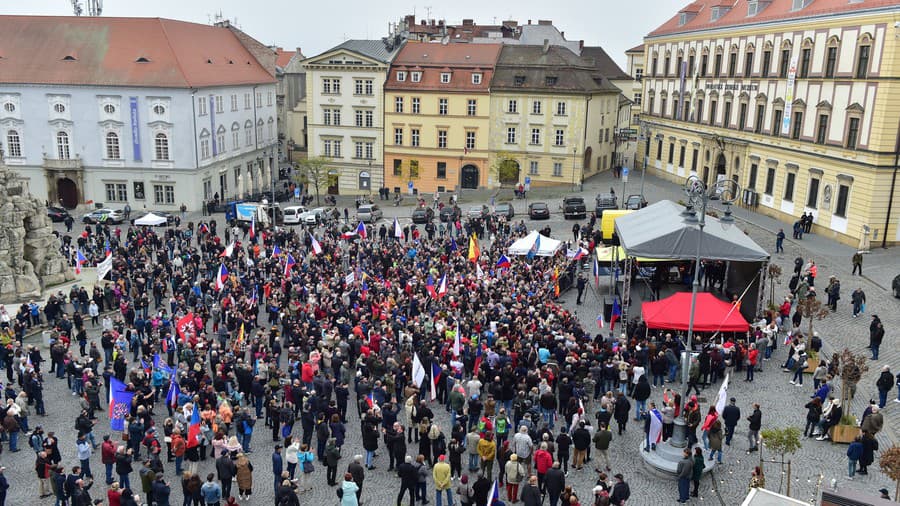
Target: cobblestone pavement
x=814 y=466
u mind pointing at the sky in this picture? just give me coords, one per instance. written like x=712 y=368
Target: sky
x=314 y=27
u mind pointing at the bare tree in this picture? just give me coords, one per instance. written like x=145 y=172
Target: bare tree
x=313 y=173
x=774 y=272
x=811 y=308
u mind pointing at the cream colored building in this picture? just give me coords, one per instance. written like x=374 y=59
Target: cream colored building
x=796 y=100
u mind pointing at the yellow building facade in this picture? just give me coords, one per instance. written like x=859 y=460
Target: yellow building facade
x=437 y=117
x=797 y=101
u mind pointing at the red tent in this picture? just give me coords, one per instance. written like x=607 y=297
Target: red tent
x=711 y=315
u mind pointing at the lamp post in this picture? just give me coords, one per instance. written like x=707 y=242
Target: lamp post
x=370 y=179
x=645 y=136
x=699 y=195
x=574 y=155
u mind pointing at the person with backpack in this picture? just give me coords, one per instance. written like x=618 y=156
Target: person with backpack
x=305 y=459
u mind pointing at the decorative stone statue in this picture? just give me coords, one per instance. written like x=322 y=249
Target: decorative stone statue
x=29 y=251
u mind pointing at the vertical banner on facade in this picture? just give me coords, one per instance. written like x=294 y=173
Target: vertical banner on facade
x=683 y=71
x=789 y=98
x=135 y=128
x=212 y=124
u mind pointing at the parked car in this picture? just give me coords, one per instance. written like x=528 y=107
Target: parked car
x=292 y=214
x=538 y=211
x=104 y=216
x=573 y=207
x=605 y=201
x=635 y=202
x=505 y=209
x=369 y=213
x=895 y=286
x=449 y=213
x=478 y=211
x=57 y=214
x=170 y=218
x=422 y=215
x=316 y=216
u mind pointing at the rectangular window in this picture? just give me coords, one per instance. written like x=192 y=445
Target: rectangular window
x=358 y=149
x=220 y=104
x=269 y=99
x=116 y=192
x=416 y=105
x=536 y=136
x=812 y=198
x=805 y=60
x=678 y=62
x=637 y=99
x=862 y=63
x=326 y=86
x=442 y=106
x=442 y=170
x=560 y=139
x=732 y=65
x=204 y=148
x=674 y=108
x=694 y=156
x=511 y=135
x=201 y=106
x=398 y=136
x=413 y=169
x=699 y=112
x=398 y=167
x=442 y=138
x=415 y=77
x=742 y=117
x=533 y=168
x=370 y=150
x=840 y=209
x=248 y=137
x=638 y=74
x=671 y=152
x=445 y=77
x=748 y=65
x=471 y=107
x=760 y=116
x=659 y=146
x=666 y=64
x=777 y=118
x=653 y=66
x=751 y=182
x=358 y=117
x=785 y=63
x=234 y=102
x=557 y=169
x=220 y=141
x=512 y=106
x=401 y=76
x=337 y=116
x=326 y=116
x=690 y=69
x=822 y=130
x=704 y=64
x=414 y=137
x=770 y=181
x=852 y=133
x=537 y=107
x=726 y=116
x=337 y=149
x=164 y=194
x=767 y=63
x=650 y=106
x=398 y=104
x=560 y=108
x=476 y=78
x=357 y=86
x=789 y=186
x=246 y=100
x=369 y=83
x=681 y=154
x=830 y=61
x=662 y=107
x=326 y=148
x=470 y=140
x=713 y=105
x=797 y=125
x=235 y=143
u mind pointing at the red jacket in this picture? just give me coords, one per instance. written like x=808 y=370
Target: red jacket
x=752 y=356
x=542 y=461
x=108 y=452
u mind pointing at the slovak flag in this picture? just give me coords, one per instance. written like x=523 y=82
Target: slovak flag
x=221 y=277
x=477 y=358
x=79 y=261
x=193 y=435
x=253 y=225
x=290 y=262
x=316 y=247
x=503 y=263
x=361 y=230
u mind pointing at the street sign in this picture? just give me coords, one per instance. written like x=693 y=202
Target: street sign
x=628 y=131
x=409 y=187
x=527 y=183
x=624 y=175
x=296 y=193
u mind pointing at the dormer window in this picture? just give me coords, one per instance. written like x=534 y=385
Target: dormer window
x=476 y=78
x=800 y=4
x=685 y=17
x=445 y=77
x=718 y=12
x=754 y=7
x=401 y=76
x=69 y=58
x=550 y=81
x=142 y=59
x=415 y=77
x=520 y=81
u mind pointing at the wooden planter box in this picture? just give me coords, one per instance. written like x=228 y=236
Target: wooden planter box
x=811 y=365
x=844 y=433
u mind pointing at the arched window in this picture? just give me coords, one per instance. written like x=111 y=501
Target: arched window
x=62 y=146
x=13 y=143
x=112 y=146
x=161 y=146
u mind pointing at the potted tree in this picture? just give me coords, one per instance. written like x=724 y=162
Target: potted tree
x=811 y=309
x=851 y=367
x=784 y=441
x=889 y=462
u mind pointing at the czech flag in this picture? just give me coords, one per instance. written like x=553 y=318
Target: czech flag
x=398 y=232
x=503 y=263
x=361 y=230
x=229 y=250
x=193 y=435
x=453 y=245
x=474 y=250
x=600 y=321
x=79 y=261
x=203 y=229
x=429 y=287
x=435 y=378
x=494 y=494
x=370 y=400
x=276 y=252
x=174 y=392
x=288 y=264
x=221 y=277
x=253 y=225
x=442 y=287
x=616 y=314
x=477 y=358
x=316 y=247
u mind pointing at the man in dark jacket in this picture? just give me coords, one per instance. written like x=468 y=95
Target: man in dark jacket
x=161 y=491
x=620 y=492
x=409 y=476
x=123 y=466
x=885 y=383
x=225 y=469
x=359 y=474
x=531 y=496
x=482 y=488
x=755 y=420
x=396 y=445
x=581 y=439
x=683 y=474
x=876 y=335
x=731 y=415
x=554 y=483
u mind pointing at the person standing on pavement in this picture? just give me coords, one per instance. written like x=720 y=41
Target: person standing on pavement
x=885 y=383
x=779 y=241
x=244 y=476
x=408 y=479
x=554 y=483
x=211 y=491
x=582 y=283
x=858 y=299
x=531 y=496
x=683 y=473
x=359 y=474
x=731 y=415
x=857 y=263
x=441 y=475
x=226 y=470
x=876 y=335
x=697 y=470
x=755 y=423
x=349 y=491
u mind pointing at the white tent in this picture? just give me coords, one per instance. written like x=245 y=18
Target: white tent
x=547 y=247
x=150 y=219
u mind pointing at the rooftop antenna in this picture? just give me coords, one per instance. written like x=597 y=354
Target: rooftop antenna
x=93 y=7
x=427 y=12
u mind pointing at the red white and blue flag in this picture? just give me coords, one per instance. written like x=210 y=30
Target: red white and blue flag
x=370 y=400
x=203 y=228
x=578 y=254
x=616 y=314
x=193 y=435
x=276 y=252
x=600 y=322
x=119 y=404
x=79 y=261
x=477 y=358
x=221 y=277
x=288 y=264
x=361 y=230
x=503 y=262
x=494 y=495
x=253 y=225
x=435 y=378
x=316 y=247
x=442 y=287
x=656 y=426
x=429 y=287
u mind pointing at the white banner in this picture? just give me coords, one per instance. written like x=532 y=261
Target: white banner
x=104 y=267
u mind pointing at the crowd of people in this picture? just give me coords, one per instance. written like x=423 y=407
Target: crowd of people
x=313 y=333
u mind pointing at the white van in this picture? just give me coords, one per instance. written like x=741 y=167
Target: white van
x=292 y=214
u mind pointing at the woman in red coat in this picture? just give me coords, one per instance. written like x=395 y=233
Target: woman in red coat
x=752 y=360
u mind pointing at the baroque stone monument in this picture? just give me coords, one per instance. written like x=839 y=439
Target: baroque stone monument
x=29 y=252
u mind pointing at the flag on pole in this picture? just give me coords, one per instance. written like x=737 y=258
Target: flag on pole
x=596 y=271
x=79 y=261
x=656 y=426
x=722 y=396
x=478 y=272
x=576 y=254
x=474 y=250
x=435 y=377
x=203 y=228
x=493 y=495
x=160 y=363
x=418 y=371
x=398 y=232
x=288 y=264
x=429 y=287
x=229 y=250
x=361 y=230
x=174 y=392
x=442 y=287
x=240 y=339
x=616 y=314
x=503 y=262
x=221 y=277
x=533 y=251
x=253 y=225
x=193 y=435
x=104 y=267
x=119 y=404
x=276 y=252
x=316 y=247
x=456 y=341
x=600 y=321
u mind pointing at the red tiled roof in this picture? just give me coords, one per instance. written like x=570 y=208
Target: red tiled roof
x=636 y=49
x=106 y=50
x=433 y=58
x=282 y=57
x=775 y=10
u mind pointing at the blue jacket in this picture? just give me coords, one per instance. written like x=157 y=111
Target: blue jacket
x=854 y=451
x=277 y=464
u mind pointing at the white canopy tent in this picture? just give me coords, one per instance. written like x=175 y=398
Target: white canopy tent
x=547 y=247
x=150 y=219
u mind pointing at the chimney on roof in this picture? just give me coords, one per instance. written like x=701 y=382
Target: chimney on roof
x=410 y=20
x=432 y=22
x=468 y=22
x=299 y=51
x=546 y=46
x=562 y=34
x=529 y=21
x=580 y=45
x=545 y=22
x=441 y=22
